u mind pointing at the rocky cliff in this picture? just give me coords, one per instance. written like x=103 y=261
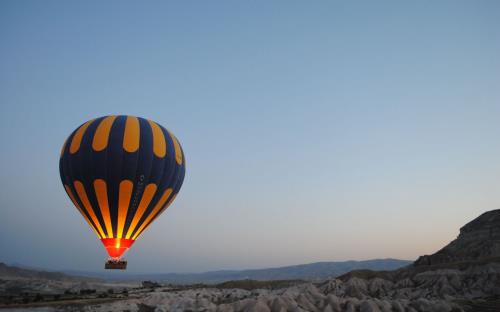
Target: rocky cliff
x=478 y=240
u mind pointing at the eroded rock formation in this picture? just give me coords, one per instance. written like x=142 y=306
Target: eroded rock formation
x=478 y=240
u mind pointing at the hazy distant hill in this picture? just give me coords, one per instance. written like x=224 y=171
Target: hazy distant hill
x=12 y=272
x=312 y=271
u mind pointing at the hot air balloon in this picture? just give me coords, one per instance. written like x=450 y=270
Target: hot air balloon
x=121 y=173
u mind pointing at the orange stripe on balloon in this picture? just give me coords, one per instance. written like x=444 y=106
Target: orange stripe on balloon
x=70 y=193
x=80 y=190
x=101 y=135
x=159 y=145
x=157 y=215
x=155 y=210
x=77 y=138
x=163 y=209
x=101 y=192
x=83 y=198
x=126 y=187
x=148 y=194
x=177 y=148
x=132 y=134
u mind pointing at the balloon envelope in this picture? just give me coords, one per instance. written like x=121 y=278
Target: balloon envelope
x=121 y=173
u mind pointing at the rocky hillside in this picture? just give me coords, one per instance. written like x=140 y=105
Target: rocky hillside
x=443 y=290
x=478 y=240
x=463 y=276
x=15 y=281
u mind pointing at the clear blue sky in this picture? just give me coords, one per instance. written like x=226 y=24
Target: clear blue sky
x=313 y=130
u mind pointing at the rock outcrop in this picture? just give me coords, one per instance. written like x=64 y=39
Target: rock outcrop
x=478 y=240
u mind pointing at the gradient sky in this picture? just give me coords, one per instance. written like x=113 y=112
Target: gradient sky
x=313 y=130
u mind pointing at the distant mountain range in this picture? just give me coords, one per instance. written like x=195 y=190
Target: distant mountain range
x=312 y=271
x=14 y=272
